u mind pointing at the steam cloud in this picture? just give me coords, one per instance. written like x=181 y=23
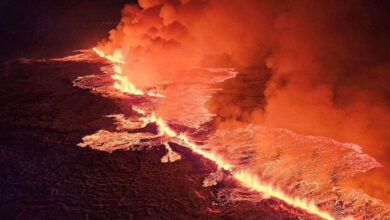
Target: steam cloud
x=322 y=67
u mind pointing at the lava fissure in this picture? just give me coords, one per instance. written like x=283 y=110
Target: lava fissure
x=246 y=178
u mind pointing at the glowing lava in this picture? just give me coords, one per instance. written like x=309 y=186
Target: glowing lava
x=122 y=82
x=252 y=181
x=115 y=58
x=248 y=179
x=245 y=177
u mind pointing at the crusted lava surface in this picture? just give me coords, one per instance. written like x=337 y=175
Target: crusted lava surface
x=43 y=174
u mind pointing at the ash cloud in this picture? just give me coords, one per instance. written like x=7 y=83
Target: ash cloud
x=323 y=67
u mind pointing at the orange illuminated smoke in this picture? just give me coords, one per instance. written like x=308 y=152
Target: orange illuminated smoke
x=249 y=180
x=245 y=177
x=115 y=58
x=122 y=82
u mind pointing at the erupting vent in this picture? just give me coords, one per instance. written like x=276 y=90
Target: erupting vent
x=305 y=172
x=278 y=109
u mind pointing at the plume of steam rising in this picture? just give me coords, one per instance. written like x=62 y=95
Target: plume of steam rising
x=324 y=66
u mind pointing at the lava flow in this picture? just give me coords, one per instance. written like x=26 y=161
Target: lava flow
x=245 y=177
x=211 y=108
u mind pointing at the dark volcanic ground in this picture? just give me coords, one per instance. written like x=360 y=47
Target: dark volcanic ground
x=43 y=174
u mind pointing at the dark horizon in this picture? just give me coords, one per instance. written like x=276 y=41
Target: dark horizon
x=293 y=94
x=54 y=28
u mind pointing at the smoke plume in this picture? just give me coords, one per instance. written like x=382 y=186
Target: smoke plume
x=314 y=67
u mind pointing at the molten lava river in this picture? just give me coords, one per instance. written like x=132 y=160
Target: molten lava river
x=307 y=173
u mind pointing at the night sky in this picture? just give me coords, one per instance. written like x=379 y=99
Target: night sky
x=53 y=28
x=319 y=69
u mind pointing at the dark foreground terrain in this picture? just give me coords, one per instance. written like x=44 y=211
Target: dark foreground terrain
x=44 y=175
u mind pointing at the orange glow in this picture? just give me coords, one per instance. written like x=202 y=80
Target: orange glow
x=245 y=177
x=116 y=57
x=154 y=94
x=252 y=181
x=249 y=180
x=122 y=82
